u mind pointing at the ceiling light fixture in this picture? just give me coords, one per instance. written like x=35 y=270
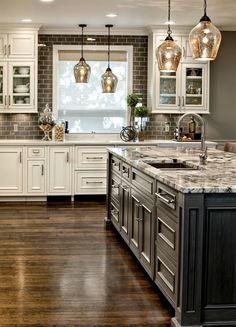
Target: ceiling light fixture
x=26 y=20
x=82 y=70
x=168 y=54
x=109 y=80
x=46 y=0
x=111 y=15
x=91 y=39
x=205 y=39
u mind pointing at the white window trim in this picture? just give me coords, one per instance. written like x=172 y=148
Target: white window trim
x=57 y=48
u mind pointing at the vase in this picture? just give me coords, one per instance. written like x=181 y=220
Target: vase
x=141 y=135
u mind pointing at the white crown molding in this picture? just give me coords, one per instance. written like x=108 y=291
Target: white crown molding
x=22 y=26
x=94 y=31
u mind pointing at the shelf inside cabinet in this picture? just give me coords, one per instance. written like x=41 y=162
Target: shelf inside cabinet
x=21 y=76
x=193 y=95
x=20 y=94
x=168 y=77
x=194 y=77
x=167 y=95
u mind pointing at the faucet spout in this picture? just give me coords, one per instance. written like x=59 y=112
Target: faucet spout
x=203 y=153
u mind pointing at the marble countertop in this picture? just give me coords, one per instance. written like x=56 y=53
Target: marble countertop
x=217 y=176
x=106 y=142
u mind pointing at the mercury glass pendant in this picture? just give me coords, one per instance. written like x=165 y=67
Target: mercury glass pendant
x=168 y=54
x=205 y=39
x=109 y=80
x=82 y=70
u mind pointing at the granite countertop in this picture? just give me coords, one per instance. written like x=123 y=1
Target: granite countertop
x=217 y=176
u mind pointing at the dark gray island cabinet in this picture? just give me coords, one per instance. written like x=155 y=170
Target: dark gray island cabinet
x=186 y=242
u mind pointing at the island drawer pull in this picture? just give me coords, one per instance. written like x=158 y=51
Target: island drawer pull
x=35 y=151
x=167 y=199
x=94 y=182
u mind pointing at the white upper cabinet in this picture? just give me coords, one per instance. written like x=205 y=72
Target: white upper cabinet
x=182 y=91
x=17 y=45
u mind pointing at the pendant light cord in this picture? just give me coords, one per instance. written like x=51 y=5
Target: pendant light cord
x=108 y=43
x=108 y=53
x=82 y=43
x=205 y=7
x=168 y=19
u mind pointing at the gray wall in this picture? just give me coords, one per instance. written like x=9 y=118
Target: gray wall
x=221 y=123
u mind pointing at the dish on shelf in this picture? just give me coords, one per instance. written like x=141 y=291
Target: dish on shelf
x=20 y=101
x=23 y=70
x=21 y=90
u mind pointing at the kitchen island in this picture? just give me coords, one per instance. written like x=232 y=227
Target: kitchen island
x=179 y=219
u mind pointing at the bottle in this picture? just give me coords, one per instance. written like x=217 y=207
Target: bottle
x=192 y=125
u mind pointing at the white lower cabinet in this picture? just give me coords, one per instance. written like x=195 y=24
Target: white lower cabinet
x=87 y=182
x=11 y=170
x=36 y=177
x=59 y=172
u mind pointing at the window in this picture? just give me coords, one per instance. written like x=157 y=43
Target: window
x=84 y=106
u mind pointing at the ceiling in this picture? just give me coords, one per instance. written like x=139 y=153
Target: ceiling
x=131 y=13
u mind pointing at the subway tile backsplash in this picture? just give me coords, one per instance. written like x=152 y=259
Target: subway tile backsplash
x=27 y=124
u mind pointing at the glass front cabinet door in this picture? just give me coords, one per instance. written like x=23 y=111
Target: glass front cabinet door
x=17 y=87
x=183 y=91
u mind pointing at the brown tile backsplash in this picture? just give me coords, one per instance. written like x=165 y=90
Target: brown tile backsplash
x=27 y=123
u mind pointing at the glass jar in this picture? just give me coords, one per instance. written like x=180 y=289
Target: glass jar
x=59 y=132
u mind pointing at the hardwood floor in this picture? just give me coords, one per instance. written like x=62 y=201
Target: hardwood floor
x=60 y=267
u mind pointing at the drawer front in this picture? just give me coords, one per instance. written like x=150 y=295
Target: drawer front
x=125 y=171
x=91 y=157
x=166 y=278
x=90 y=182
x=167 y=235
x=35 y=152
x=142 y=182
x=115 y=214
x=115 y=164
x=115 y=185
x=167 y=198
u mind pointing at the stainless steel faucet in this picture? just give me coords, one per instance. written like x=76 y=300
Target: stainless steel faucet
x=203 y=153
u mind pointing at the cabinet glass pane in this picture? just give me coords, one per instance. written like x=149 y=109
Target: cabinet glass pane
x=193 y=86
x=168 y=88
x=1 y=84
x=21 y=84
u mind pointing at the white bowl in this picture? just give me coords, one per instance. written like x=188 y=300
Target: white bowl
x=21 y=90
x=19 y=101
x=23 y=70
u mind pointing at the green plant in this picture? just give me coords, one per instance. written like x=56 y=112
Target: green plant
x=132 y=100
x=141 y=112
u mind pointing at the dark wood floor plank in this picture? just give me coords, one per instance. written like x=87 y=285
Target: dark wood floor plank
x=60 y=267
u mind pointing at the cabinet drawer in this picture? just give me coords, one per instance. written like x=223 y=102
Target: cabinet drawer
x=166 y=278
x=115 y=184
x=167 y=198
x=115 y=214
x=35 y=152
x=142 y=182
x=115 y=164
x=167 y=235
x=90 y=182
x=90 y=157
x=125 y=171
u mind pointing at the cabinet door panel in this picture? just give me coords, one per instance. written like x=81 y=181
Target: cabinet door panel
x=36 y=177
x=3 y=45
x=21 y=45
x=3 y=85
x=125 y=214
x=11 y=172
x=59 y=170
x=134 y=223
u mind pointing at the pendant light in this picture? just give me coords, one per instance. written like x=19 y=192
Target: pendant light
x=168 y=54
x=205 y=39
x=82 y=70
x=109 y=80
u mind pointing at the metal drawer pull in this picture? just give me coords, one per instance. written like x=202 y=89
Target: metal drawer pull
x=125 y=171
x=162 y=197
x=183 y=101
x=35 y=151
x=5 y=101
x=139 y=219
x=5 y=50
x=67 y=156
x=95 y=182
x=42 y=172
x=94 y=158
x=115 y=164
x=9 y=100
x=115 y=186
x=20 y=157
x=125 y=187
x=115 y=212
x=9 y=50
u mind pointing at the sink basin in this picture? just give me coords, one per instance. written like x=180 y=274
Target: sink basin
x=171 y=165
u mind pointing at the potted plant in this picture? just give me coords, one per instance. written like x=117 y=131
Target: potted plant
x=132 y=101
x=141 y=112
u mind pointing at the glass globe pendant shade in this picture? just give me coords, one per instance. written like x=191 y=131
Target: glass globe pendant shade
x=82 y=71
x=168 y=55
x=204 y=40
x=109 y=81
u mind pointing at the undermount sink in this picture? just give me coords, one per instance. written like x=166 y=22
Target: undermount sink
x=172 y=165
